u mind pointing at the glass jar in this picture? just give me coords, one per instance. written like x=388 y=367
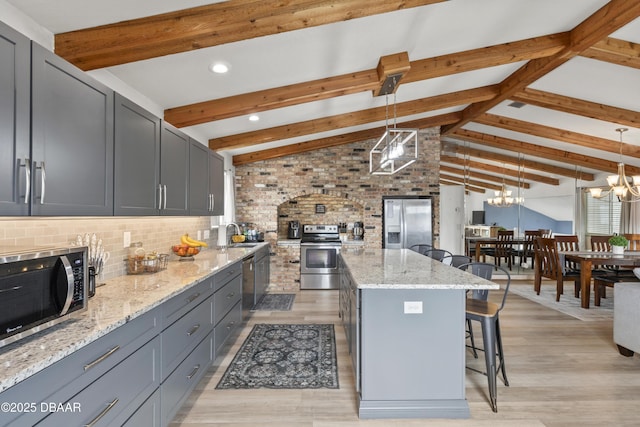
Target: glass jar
x=135 y=258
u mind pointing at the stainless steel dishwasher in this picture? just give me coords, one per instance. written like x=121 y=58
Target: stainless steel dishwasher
x=248 y=286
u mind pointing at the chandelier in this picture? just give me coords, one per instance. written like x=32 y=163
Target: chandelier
x=503 y=198
x=619 y=184
x=396 y=149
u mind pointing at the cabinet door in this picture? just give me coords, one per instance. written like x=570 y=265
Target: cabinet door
x=174 y=170
x=14 y=120
x=137 y=159
x=199 y=196
x=72 y=139
x=216 y=183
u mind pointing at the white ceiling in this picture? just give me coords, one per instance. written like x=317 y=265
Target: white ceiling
x=355 y=45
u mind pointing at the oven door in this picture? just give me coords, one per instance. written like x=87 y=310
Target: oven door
x=319 y=258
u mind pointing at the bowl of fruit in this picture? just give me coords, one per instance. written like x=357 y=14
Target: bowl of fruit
x=187 y=248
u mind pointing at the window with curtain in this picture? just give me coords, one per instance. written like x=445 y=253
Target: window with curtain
x=603 y=215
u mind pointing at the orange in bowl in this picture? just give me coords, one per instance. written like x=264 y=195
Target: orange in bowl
x=185 y=250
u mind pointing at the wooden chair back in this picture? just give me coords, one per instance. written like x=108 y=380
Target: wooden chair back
x=547 y=258
x=545 y=232
x=600 y=244
x=567 y=243
x=634 y=241
x=529 y=239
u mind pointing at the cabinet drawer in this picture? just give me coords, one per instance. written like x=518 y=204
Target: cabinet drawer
x=176 y=388
x=223 y=277
x=114 y=397
x=148 y=415
x=226 y=298
x=180 y=338
x=227 y=325
x=179 y=305
x=63 y=379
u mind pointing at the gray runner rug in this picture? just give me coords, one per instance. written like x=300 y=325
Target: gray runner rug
x=275 y=302
x=284 y=356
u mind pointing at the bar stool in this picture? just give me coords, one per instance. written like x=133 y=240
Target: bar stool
x=487 y=313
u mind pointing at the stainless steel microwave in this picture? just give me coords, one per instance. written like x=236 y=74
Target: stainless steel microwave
x=40 y=288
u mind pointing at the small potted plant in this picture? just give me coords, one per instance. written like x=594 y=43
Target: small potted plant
x=618 y=243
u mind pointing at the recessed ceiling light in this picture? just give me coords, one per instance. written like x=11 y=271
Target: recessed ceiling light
x=219 y=67
x=254 y=118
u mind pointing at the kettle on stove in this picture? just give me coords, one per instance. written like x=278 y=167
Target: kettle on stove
x=294 y=230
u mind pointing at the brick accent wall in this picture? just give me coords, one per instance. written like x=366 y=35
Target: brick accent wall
x=337 y=177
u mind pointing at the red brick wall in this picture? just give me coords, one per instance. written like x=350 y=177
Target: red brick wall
x=337 y=177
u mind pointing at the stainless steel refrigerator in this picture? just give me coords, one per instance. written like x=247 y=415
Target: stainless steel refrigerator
x=406 y=221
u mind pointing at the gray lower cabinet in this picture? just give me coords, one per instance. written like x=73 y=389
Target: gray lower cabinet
x=71 y=139
x=15 y=52
x=147 y=415
x=137 y=159
x=227 y=312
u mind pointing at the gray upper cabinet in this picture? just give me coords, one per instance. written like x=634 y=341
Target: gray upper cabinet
x=15 y=50
x=174 y=171
x=216 y=183
x=199 y=196
x=72 y=139
x=137 y=159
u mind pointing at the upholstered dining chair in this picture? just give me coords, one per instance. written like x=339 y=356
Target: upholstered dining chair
x=421 y=248
x=548 y=266
x=479 y=308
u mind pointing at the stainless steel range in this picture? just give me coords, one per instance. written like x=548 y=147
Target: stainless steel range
x=319 y=249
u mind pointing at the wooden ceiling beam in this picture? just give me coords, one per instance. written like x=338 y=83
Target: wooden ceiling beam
x=609 y=18
x=473 y=182
x=391 y=69
x=526 y=163
x=483 y=176
x=579 y=107
x=544 y=152
x=467 y=188
x=500 y=170
x=615 y=51
x=362 y=81
x=333 y=141
x=350 y=119
x=207 y=26
x=575 y=138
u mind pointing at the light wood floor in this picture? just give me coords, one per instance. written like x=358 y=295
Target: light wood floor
x=562 y=372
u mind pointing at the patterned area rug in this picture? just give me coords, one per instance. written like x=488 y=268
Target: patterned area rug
x=284 y=356
x=568 y=304
x=275 y=302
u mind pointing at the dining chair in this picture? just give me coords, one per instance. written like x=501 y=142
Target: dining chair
x=526 y=251
x=568 y=243
x=479 y=308
x=421 y=248
x=437 y=254
x=600 y=243
x=545 y=232
x=548 y=266
x=503 y=248
x=634 y=241
x=456 y=260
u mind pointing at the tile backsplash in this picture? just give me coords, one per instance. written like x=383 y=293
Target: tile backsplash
x=155 y=233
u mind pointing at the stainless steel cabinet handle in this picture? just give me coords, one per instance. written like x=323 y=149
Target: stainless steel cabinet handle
x=165 y=197
x=193 y=373
x=101 y=358
x=230 y=325
x=193 y=297
x=213 y=202
x=103 y=413
x=27 y=177
x=193 y=329
x=159 y=196
x=43 y=181
x=231 y=295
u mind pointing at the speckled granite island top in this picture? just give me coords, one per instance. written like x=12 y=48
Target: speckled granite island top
x=120 y=300
x=405 y=269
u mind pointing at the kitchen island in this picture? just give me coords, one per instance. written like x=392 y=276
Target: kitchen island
x=404 y=317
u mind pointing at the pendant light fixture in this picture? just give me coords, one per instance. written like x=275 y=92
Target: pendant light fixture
x=503 y=198
x=396 y=149
x=619 y=184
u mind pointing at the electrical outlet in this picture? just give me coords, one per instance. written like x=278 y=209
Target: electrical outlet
x=206 y=234
x=126 y=238
x=413 y=307
x=199 y=233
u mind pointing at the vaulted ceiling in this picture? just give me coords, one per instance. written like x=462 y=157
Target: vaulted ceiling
x=534 y=90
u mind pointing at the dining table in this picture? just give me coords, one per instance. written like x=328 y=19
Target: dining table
x=589 y=259
x=480 y=242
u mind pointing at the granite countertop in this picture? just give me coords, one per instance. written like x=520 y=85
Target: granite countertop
x=406 y=269
x=120 y=300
